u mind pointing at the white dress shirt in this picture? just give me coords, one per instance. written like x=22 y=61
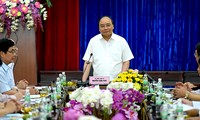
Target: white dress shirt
x=108 y=56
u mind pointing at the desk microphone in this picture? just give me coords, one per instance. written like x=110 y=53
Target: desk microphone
x=88 y=62
x=86 y=82
x=144 y=72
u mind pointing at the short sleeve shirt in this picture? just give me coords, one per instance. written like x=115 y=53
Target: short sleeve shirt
x=6 y=77
x=108 y=56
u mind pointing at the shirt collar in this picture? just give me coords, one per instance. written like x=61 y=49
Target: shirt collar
x=6 y=67
x=111 y=38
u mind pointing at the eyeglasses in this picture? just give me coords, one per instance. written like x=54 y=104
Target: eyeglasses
x=13 y=51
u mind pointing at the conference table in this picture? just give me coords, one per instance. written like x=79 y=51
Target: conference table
x=154 y=112
x=36 y=113
x=149 y=111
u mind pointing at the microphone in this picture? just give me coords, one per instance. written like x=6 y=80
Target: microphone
x=87 y=63
x=144 y=72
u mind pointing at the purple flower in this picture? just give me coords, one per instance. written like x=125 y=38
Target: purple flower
x=117 y=95
x=131 y=115
x=72 y=114
x=119 y=116
x=18 y=13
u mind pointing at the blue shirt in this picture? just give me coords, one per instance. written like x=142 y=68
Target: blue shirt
x=6 y=77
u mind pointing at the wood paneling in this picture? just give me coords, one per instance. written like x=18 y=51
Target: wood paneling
x=26 y=64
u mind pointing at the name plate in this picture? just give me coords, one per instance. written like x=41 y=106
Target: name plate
x=99 y=80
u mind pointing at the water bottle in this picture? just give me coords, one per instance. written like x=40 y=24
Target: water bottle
x=179 y=108
x=164 y=111
x=170 y=115
x=27 y=101
x=64 y=81
x=58 y=90
x=27 y=96
x=64 y=76
x=145 y=84
x=159 y=86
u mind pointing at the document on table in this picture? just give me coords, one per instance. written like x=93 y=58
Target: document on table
x=187 y=107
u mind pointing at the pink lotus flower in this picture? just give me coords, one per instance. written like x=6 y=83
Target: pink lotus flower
x=24 y=8
x=14 y=11
x=2 y=1
x=1 y=10
x=17 y=11
x=37 y=4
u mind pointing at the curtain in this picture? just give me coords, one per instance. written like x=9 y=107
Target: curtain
x=58 y=43
x=161 y=33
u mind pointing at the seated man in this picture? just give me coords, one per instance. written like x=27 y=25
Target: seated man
x=187 y=90
x=8 y=55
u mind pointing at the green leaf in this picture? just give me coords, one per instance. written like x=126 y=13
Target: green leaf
x=49 y=3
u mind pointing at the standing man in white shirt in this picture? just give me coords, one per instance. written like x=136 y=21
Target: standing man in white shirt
x=109 y=54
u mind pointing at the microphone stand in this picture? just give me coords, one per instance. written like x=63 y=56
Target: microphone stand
x=88 y=62
x=86 y=83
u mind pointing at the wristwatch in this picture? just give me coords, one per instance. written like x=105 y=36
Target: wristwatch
x=186 y=95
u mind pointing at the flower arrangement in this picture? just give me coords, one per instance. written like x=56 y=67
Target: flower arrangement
x=28 y=13
x=130 y=76
x=104 y=104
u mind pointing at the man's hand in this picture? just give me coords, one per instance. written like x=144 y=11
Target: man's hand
x=186 y=85
x=33 y=91
x=22 y=84
x=179 y=92
x=186 y=101
x=189 y=86
x=18 y=95
x=12 y=106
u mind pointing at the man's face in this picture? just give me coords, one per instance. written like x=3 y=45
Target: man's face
x=198 y=69
x=196 y=56
x=106 y=27
x=197 y=60
x=10 y=55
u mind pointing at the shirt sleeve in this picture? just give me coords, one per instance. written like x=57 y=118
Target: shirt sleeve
x=4 y=86
x=88 y=52
x=127 y=53
x=3 y=97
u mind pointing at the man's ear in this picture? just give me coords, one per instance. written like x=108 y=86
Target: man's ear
x=199 y=60
x=1 y=52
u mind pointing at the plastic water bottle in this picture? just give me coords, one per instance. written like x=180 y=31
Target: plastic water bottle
x=58 y=90
x=63 y=76
x=179 y=110
x=164 y=111
x=27 y=101
x=170 y=115
x=159 y=85
x=145 y=84
x=27 y=96
x=64 y=81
